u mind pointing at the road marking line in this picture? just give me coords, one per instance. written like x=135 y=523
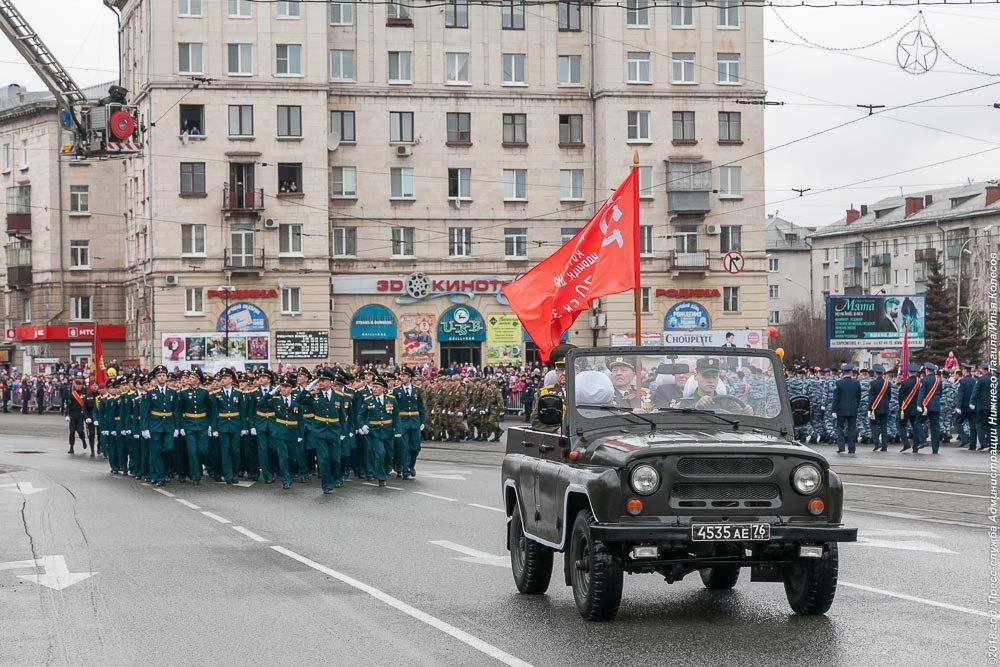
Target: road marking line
x=910 y=598
x=187 y=503
x=487 y=507
x=253 y=536
x=164 y=492
x=141 y=483
x=916 y=517
x=413 y=612
x=216 y=517
x=904 y=488
x=431 y=495
x=394 y=488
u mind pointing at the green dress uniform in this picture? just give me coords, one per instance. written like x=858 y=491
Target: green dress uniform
x=228 y=410
x=362 y=458
x=348 y=451
x=297 y=453
x=161 y=417
x=324 y=414
x=196 y=422
x=138 y=448
x=287 y=429
x=260 y=418
x=380 y=416
x=412 y=418
x=114 y=422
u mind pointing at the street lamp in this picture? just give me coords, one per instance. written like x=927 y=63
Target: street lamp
x=226 y=290
x=958 y=301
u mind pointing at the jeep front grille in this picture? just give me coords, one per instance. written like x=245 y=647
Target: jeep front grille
x=710 y=466
x=725 y=496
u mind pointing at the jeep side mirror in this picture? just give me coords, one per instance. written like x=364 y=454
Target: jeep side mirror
x=801 y=410
x=550 y=410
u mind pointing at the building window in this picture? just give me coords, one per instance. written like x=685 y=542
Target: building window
x=188 y=8
x=456 y=68
x=645 y=182
x=24 y=154
x=239 y=8
x=566 y=234
x=26 y=306
x=730 y=181
x=289 y=178
x=570 y=130
x=290 y=300
x=513 y=14
x=684 y=126
x=192 y=119
x=289 y=61
x=341 y=13
x=240 y=59
x=460 y=241
x=686 y=239
x=728 y=13
x=729 y=126
x=459 y=128
x=193 y=239
x=772 y=264
x=637 y=13
x=79 y=198
x=836 y=282
x=826 y=283
x=638 y=67
x=341 y=65
x=638 y=126
x=194 y=301
x=646 y=240
x=772 y=291
x=79 y=254
x=79 y=308
x=399 y=66
x=731 y=299
x=906 y=277
x=683 y=66
x=401 y=127
x=342 y=125
x=289 y=239
x=401 y=183
x=515 y=242
x=895 y=247
x=192 y=178
x=398 y=12
x=456 y=14
x=731 y=238
x=774 y=317
x=515 y=184
x=345 y=182
x=7 y=159
x=460 y=183
x=345 y=241
x=729 y=67
x=289 y=9
x=240 y=120
x=190 y=58
x=515 y=128
x=682 y=14
x=644 y=299
x=402 y=242
x=289 y=121
x=570 y=184
x=569 y=70
x=569 y=14
x=513 y=69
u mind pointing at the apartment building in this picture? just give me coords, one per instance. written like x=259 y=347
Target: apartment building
x=377 y=171
x=60 y=270
x=788 y=268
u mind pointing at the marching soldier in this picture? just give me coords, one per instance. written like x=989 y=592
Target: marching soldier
x=76 y=410
x=348 y=425
x=228 y=415
x=909 y=402
x=287 y=429
x=879 y=391
x=260 y=418
x=846 y=400
x=495 y=409
x=91 y=410
x=195 y=424
x=160 y=423
x=966 y=410
x=930 y=404
x=412 y=420
x=324 y=412
x=299 y=462
x=558 y=359
x=379 y=423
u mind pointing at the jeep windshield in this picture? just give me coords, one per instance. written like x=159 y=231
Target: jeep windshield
x=726 y=382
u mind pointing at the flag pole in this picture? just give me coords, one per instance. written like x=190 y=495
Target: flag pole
x=638 y=288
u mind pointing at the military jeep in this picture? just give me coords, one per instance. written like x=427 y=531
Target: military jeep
x=672 y=461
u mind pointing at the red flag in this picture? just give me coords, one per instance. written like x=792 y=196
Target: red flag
x=904 y=357
x=602 y=259
x=100 y=372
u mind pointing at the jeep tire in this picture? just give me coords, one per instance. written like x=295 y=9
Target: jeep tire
x=530 y=562
x=596 y=575
x=721 y=578
x=811 y=583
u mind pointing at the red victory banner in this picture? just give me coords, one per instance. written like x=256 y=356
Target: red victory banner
x=602 y=259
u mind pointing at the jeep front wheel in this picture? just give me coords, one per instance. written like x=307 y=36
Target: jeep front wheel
x=811 y=583
x=530 y=562
x=595 y=573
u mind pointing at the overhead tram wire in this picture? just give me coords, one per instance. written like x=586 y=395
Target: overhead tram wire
x=752 y=4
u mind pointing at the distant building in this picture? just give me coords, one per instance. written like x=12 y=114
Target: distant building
x=789 y=282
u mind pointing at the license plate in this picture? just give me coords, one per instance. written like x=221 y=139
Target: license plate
x=731 y=532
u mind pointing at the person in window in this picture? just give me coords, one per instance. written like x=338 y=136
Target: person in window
x=293 y=187
x=707 y=394
x=195 y=132
x=284 y=187
x=185 y=128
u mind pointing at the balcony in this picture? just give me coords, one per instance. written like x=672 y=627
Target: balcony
x=251 y=262
x=240 y=200
x=18 y=224
x=853 y=262
x=695 y=262
x=18 y=276
x=687 y=201
x=925 y=254
x=19 y=263
x=883 y=259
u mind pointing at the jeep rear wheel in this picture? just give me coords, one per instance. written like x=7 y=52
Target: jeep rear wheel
x=595 y=573
x=721 y=578
x=530 y=562
x=811 y=583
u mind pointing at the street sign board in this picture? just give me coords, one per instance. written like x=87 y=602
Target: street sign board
x=874 y=321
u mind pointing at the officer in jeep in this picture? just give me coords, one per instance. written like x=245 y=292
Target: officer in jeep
x=550 y=397
x=706 y=395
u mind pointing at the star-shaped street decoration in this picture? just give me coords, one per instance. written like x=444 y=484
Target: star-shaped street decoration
x=917 y=52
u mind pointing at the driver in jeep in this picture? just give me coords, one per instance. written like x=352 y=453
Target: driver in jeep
x=706 y=395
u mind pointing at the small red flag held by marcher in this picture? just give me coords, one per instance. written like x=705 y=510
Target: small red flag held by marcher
x=602 y=259
x=100 y=372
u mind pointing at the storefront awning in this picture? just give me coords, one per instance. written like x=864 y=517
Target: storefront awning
x=373 y=322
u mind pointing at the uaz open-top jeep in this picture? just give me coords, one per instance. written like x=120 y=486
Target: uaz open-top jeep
x=672 y=461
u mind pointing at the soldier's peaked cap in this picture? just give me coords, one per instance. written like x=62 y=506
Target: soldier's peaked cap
x=707 y=364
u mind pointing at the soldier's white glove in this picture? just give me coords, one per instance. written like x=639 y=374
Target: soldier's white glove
x=460 y=414
x=243 y=432
x=421 y=427
x=176 y=433
x=88 y=421
x=834 y=415
x=399 y=435
x=971 y=407
x=253 y=431
x=67 y=417
x=182 y=433
x=958 y=411
x=97 y=423
x=299 y=440
x=925 y=410
x=146 y=435
x=104 y=432
x=136 y=436
x=364 y=430
x=115 y=433
x=215 y=434
x=343 y=437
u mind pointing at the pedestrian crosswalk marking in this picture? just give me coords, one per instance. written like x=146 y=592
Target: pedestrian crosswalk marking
x=910 y=598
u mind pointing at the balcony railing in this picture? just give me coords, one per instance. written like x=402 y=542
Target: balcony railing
x=244 y=261
x=925 y=254
x=18 y=276
x=688 y=201
x=237 y=199
x=19 y=223
x=687 y=261
x=882 y=259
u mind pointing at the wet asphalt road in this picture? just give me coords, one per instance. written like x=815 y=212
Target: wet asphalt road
x=417 y=574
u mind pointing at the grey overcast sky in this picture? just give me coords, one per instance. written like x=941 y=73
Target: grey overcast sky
x=811 y=81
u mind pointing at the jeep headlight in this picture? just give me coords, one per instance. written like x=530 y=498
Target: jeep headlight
x=645 y=480
x=807 y=479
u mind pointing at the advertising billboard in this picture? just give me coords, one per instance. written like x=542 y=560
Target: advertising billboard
x=418 y=340
x=741 y=338
x=301 y=344
x=504 y=339
x=184 y=351
x=875 y=321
